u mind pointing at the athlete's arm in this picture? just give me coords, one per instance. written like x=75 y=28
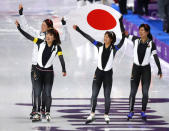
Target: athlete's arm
x=28 y=36
x=24 y=24
x=93 y=41
x=62 y=62
x=154 y=53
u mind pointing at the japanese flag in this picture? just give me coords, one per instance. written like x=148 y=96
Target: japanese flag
x=95 y=20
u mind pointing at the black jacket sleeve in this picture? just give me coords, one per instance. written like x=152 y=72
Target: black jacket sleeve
x=117 y=47
x=158 y=64
x=121 y=42
x=62 y=62
x=153 y=51
x=28 y=36
x=93 y=41
x=21 y=11
x=121 y=24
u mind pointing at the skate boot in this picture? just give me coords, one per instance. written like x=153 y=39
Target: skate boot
x=107 y=119
x=48 y=117
x=36 y=117
x=130 y=115
x=90 y=118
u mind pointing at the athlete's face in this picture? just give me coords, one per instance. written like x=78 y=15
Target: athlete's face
x=44 y=27
x=107 y=39
x=143 y=33
x=49 y=38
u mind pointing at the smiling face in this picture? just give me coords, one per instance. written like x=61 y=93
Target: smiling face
x=143 y=33
x=44 y=27
x=49 y=38
x=107 y=39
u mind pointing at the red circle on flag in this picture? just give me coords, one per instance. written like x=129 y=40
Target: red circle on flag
x=101 y=20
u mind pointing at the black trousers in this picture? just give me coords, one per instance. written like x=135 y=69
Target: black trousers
x=100 y=77
x=123 y=6
x=32 y=80
x=43 y=82
x=33 y=77
x=142 y=73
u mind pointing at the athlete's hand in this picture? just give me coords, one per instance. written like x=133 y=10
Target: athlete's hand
x=75 y=27
x=64 y=73
x=20 y=6
x=126 y=33
x=63 y=21
x=17 y=23
x=20 y=9
x=160 y=76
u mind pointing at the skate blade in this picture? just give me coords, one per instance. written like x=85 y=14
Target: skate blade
x=144 y=119
x=31 y=117
x=107 y=122
x=36 y=120
x=129 y=118
x=48 y=120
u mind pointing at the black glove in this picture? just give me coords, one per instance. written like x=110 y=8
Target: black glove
x=159 y=72
x=63 y=21
x=77 y=28
x=18 y=26
x=21 y=11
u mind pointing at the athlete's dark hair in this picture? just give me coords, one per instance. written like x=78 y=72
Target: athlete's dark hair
x=55 y=33
x=49 y=23
x=147 y=29
x=111 y=35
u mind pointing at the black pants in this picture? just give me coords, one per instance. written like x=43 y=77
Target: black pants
x=32 y=80
x=43 y=81
x=142 y=73
x=142 y=7
x=123 y=6
x=33 y=77
x=100 y=77
x=43 y=98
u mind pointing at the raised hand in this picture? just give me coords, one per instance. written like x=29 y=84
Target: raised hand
x=20 y=6
x=126 y=33
x=75 y=27
x=63 y=21
x=17 y=23
x=64 y=73
x=20 y=9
